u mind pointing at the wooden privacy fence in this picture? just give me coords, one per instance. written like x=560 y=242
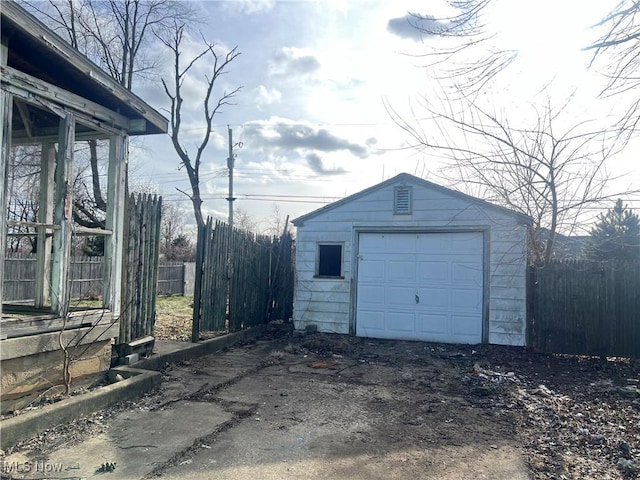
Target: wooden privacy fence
x=171 y=278
x=85 y=278
x=241 y=279
x=585 y=308
x=140 y=267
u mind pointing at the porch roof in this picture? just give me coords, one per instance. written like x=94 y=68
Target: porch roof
x=37 y=51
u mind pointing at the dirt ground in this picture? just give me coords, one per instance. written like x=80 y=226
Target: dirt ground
x=390 y=409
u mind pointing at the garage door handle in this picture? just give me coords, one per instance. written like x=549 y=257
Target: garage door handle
x=417 y=298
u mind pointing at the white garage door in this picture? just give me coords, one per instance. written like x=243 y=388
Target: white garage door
x=420 y=286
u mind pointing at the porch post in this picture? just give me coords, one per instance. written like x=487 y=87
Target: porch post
x=62 y=217
x=45 y=216
x=113 y=247
x=6 y=110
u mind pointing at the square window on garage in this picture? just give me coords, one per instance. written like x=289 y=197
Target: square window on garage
x=329 y=260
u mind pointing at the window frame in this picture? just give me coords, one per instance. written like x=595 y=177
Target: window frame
x=319 y=246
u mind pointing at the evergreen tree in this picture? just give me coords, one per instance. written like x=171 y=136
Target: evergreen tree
x=181 y=250
x=616 y=236
x=94 y=246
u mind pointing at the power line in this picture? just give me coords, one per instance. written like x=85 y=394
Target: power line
x=281 y=200
x=296 y=124
x=216 y=196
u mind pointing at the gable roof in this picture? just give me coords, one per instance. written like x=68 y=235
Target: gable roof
x=36 y=50
x=407 y=178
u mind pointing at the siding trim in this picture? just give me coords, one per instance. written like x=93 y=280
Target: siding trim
x=486 y=285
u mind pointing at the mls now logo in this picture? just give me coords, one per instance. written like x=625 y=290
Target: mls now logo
x=29 y=467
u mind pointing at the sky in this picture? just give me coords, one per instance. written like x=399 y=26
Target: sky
x=311 y=122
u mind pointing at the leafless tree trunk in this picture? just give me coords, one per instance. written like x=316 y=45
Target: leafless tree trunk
x=211 y=107
x=554 y=176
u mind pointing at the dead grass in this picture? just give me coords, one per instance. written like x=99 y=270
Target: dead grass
x=173 y=318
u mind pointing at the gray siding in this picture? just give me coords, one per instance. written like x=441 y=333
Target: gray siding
x=327 y=302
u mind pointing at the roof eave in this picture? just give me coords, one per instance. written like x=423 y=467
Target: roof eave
x=154 y=122
x=299 y=221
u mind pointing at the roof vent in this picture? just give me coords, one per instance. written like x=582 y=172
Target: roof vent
x=402 y=200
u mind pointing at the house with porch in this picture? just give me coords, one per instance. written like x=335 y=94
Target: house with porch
x=52 y=101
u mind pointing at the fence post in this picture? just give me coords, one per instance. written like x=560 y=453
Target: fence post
x=197 y=289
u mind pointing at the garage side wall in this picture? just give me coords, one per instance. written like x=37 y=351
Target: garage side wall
x=323 y=302
x=507 y=284
x=326 y=303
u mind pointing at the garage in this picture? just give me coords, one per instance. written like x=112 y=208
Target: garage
x=409 y=259
x=420 y=286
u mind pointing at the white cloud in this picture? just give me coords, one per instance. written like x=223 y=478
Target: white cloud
x=293 y=62
x=301 y=138
x=266 y=96
x=249 y=7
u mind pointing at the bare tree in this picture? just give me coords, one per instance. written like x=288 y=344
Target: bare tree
x=244 y=221
x=118 y=36
x=465 y=54
x=553 y=175
x=276 y=222
x=23 y=189
x=619 y=48
x=211 y=106
x=171 y=226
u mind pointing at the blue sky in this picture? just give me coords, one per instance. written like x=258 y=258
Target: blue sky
x=311 y=117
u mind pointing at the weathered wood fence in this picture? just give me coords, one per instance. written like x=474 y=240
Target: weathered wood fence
x=20 y=277
x=241 y=279
x=171 y=278
x=86 y=278
x=585 y=308
x=140 y=267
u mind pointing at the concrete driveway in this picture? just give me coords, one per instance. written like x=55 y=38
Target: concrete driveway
x=315 y=406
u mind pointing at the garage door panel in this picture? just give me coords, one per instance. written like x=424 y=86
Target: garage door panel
x=466 y=272
x=433 y=242
x=401 y=271
x=466 y=299
x=372 y=295
x=432 y=325
x=373 y=243
x=468 y=242
x=443 y=269
x=400 y=296
x=400 y=243
x=433 y=298
x=433 y=271
x=372 y=320
x=372 y=271
x=465 y=325
x=400 y=322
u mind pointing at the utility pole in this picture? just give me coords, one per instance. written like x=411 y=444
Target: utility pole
x=230 y=198
x=230 y=162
